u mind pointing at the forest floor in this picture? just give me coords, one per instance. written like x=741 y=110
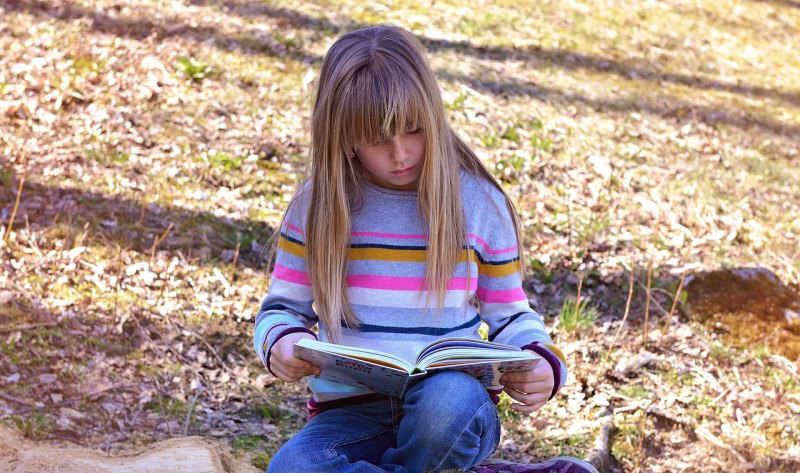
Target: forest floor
x=156 y=143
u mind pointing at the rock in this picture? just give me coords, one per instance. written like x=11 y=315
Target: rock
x=627 y=366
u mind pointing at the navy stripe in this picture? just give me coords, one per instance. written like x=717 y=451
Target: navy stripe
x=286 y=309
x=514 y=317
x=274 y=307
x=387 y=247
x=417 y=330
x=293 y=240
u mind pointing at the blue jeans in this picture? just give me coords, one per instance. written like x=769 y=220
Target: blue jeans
x=445 y=421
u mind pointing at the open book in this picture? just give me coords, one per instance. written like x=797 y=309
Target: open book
x=388 y=374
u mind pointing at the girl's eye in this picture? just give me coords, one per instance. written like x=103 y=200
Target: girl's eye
x=414 y=131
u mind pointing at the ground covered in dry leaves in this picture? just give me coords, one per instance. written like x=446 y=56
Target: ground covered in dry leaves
x=148 y=148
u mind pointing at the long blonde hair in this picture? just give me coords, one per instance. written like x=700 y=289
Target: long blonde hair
x=376 y=83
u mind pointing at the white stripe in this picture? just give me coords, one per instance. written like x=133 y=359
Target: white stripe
x=405 y=299
x=291 y=291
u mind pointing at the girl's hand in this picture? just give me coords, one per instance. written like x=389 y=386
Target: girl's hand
x=284 y=364
x=532 y=388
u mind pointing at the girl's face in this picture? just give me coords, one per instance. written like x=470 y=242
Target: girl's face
x=395 y=163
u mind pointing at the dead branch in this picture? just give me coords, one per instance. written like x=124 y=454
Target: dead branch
x=624 y=318
x=600 y=455
x=647 y=302
x=157 y=241
x=16 y=205
x=675 y=299
x=24 y=327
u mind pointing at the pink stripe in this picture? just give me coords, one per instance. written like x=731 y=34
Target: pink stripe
x=397 y=283
x=488 y=248
x=390 y=235
x=292 y=227
x=291 y=275
x=503 y=296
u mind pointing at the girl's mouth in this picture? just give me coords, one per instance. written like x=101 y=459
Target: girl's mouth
x=403 y=172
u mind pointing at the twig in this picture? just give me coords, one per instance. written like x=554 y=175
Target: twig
x=17 y=400
x=640 y=448
x=157 y=241
x=235 y=258
x=208 y=345
x=600 y=455
x=647 y=302
x=16 y=205
x=578 y=300
x=189 y=411
x=19 y=328
x=161 y=406
x=624 y=318
x=653 y=299
x=703 y=433
x=672 y=310
x=141 y=213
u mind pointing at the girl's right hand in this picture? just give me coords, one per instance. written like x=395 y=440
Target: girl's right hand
x=284 y=364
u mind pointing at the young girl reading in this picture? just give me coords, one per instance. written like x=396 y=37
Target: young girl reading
x=397 y=231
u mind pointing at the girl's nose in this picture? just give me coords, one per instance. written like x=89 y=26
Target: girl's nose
x=398 y=151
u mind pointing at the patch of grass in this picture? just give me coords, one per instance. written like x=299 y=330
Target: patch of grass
x=626 y=438
x=260 y=460
x=635 y=392
x=542 y=272
x=172 y=408
x=193 y=69
x=36 y=427
x=511 y=134
x=107 y=157
x=678 y=379
x=490 y=139
x=504 y=410
x=458 y=103
x=572 y=318
x=247 y=442
x=221 y=161
x=6 y=178
x=278 y=416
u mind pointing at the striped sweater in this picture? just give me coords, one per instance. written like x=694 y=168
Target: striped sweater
x=386 y=270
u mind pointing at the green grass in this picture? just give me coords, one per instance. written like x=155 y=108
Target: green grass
x=572 y=317
x=193 y=69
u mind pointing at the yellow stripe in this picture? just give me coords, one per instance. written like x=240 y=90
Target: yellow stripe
x=557 y=352
x=407 y=256
x=291 y=247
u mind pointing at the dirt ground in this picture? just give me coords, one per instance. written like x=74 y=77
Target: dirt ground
x=189 y=454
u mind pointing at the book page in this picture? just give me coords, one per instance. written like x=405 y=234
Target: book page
x=386 y=359
x=354 y=372
x=488 y=372
x=455 y=350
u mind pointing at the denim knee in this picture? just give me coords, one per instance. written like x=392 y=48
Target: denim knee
x=451 y=400
x=448 y=394
x=295 y=456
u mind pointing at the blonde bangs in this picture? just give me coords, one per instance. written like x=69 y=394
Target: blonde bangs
x=383 y=101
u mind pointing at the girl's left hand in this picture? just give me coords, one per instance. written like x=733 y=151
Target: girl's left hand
x=532 y=388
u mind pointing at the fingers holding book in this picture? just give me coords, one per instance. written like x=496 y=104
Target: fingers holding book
x=531 y=388
x=283 y=362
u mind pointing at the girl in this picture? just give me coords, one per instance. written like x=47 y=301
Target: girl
x=398 y=229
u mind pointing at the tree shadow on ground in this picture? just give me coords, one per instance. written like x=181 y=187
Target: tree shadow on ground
x=658 y=106
x=565 y=59
x=118 y=222
x=120 y=26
